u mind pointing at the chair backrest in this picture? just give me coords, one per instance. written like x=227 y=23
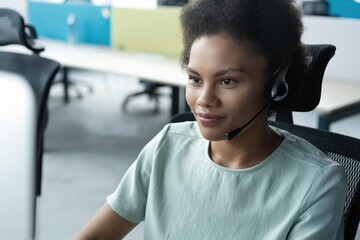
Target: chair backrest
x=304 y=84
x=342 y=149
x=13 y=30
x=38 y=71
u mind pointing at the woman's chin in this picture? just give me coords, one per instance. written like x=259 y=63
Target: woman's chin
x=212 y=136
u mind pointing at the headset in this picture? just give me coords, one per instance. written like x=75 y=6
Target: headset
x=277 y=88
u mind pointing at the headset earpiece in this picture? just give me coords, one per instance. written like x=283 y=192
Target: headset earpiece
x=279 y=87
x=279 y=90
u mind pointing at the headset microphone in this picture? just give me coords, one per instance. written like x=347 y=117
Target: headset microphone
x=233 y=133
x=278 y=92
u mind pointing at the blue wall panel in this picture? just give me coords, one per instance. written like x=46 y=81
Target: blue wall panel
x=92 y=24
x=345 y=8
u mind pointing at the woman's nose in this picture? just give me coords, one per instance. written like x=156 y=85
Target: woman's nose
x=207 y=97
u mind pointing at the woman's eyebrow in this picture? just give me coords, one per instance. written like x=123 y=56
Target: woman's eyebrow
x=189 y=69
x=220 y=73
x=229 y=70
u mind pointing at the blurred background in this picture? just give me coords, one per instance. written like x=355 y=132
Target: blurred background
x=93 y=138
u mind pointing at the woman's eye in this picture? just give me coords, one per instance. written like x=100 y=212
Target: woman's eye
x=227 y=81
x=194 y=80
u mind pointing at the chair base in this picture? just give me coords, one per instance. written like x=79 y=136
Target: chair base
x=72 y=84
x=150 y=90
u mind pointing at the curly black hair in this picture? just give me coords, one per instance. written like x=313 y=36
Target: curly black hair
x=272 y=28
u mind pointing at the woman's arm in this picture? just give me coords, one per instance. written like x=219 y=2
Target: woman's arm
x=105 y=224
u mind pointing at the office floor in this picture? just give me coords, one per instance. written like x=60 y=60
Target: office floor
x=90 y=143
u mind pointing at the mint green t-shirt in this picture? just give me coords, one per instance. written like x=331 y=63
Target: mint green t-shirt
x=180 y=193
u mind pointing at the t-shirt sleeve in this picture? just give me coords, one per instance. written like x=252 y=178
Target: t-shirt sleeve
x=130 y=197
x=322 y=209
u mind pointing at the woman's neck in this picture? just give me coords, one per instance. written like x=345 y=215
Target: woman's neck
x=247 y=149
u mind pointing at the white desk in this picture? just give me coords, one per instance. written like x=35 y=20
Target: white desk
x=339 y=98
x=155 y=68
x=150 y=67
x=104 y=59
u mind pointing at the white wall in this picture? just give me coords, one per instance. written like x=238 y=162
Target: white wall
x=18 y=5
x=345 y=35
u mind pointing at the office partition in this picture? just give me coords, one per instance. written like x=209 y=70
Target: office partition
x=147 y=30
x=75 y=22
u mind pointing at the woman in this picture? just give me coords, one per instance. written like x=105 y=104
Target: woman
x=204 y=180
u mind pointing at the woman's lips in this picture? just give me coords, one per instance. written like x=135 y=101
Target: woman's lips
x=209 y=119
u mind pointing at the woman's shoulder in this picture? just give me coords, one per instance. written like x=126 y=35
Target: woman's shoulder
x=302 y=152
x=174 y=134
x=185 y=129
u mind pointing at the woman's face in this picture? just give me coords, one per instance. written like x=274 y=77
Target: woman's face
x=226 y=85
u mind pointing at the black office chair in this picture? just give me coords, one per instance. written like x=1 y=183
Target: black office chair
x=150 y=89
x=172 y=2
x=305 y=97
x=344 y=150
x=40 y=72
x=304 y=84
x=316 y=8
x=64 y=78
x=13 y=30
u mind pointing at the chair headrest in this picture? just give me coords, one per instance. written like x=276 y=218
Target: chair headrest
x=305 y=86
x=14 y=31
